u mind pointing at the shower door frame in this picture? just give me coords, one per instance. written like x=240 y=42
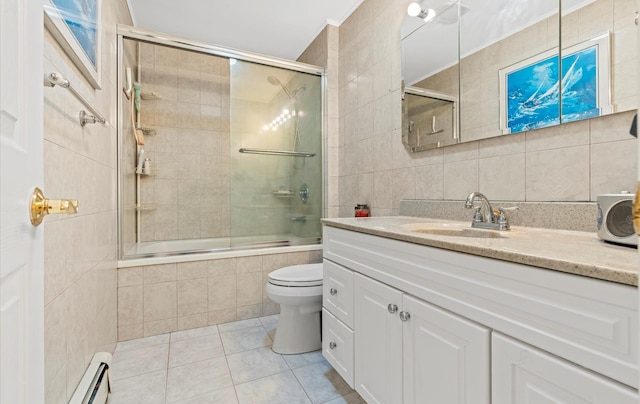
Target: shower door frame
x=158 y=38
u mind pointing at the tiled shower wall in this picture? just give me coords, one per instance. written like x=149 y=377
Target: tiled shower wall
x=80 y=250
x=572 y=162
x=187 y=194
x=156 y=299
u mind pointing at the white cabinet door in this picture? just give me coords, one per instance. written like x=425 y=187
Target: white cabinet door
x=378 y=341
x=446 y=357
x=523 y=374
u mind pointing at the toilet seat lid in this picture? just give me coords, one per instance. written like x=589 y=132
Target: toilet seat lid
x=297 y=275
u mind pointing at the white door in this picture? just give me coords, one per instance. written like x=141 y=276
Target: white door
x=21 y=169
x=522 y=374
x=378 y=341
x=446 y=357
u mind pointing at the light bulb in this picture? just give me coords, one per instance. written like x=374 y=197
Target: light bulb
x=285 y=111
x=265 y=127
x=414 y=9
x=430 y=15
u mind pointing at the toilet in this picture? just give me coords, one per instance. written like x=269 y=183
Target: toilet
x=298 y=290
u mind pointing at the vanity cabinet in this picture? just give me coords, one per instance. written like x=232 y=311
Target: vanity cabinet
x=522 y=374
x=477 y=330
x=409 y=351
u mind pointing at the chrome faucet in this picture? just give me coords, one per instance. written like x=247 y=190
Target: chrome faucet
x=490 y=219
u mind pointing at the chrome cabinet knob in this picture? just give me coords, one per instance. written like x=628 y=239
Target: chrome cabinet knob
x=392 y=308
x=333 y=291
x=332 y=345
x=404 y=316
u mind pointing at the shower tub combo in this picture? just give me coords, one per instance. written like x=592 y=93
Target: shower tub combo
x=220 y=179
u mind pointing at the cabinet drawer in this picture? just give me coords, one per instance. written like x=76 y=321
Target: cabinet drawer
x=337 y=346
x=337 y=291
x=524 y=374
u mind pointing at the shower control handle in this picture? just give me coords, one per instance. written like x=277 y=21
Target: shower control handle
x=332 y=345
x=333 y=291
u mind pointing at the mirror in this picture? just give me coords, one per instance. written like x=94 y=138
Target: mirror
x=511 y=77
x=509 y=67
x=431 y=74
x=431 y=119
x=599 y=40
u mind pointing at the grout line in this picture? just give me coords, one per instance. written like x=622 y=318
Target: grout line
x=302 y=387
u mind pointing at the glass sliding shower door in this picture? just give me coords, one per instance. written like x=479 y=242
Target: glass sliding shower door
x=276 y=155
x=217 y=149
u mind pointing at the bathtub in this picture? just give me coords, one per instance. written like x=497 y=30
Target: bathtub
x=170 y=251
x=184 y=284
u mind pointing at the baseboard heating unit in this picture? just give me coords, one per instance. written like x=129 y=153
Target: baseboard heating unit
x=94 y=387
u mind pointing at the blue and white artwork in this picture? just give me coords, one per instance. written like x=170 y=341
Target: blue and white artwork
x=580 y=85
x=81 y=17
x=533 y=92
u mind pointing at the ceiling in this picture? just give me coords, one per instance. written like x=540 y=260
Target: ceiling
x=280 y=28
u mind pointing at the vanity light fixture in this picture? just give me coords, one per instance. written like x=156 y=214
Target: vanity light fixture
x=416 y=10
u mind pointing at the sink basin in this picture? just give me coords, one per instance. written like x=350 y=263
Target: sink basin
x=452 y=230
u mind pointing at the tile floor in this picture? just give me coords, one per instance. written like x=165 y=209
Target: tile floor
x=225 y=364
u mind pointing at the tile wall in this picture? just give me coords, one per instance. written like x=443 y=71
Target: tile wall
x=188 y=188
x=157 y=299
x=80 y=250
x=573 y=162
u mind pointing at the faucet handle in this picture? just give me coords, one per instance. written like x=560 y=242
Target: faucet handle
x=503 y=222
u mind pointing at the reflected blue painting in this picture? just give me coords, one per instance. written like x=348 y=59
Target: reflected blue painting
x=533 y=92
x=580 y=85
x=81 y=18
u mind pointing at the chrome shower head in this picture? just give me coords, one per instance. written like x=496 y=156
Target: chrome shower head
x=276 y=82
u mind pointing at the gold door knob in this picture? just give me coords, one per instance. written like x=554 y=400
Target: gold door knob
x=40 y=206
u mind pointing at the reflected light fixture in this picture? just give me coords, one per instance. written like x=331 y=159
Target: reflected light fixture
x=416 y=10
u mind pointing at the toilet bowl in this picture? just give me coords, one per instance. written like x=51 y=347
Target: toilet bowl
x=298 y=290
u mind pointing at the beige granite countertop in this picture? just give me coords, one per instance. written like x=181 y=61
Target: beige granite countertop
x=575 y=252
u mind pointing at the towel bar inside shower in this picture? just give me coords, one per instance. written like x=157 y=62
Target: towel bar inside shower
x=276 y=152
